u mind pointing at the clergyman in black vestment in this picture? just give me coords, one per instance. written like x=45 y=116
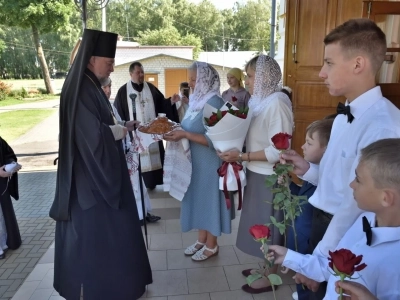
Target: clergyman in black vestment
x=142 y=101
x=99 y=245
x=8 y=189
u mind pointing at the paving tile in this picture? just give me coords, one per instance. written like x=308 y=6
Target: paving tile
x=189 y=238
x=40 y=272
x=26 y=290
x=47 y=282
x=176 y=259
x=207 y=280
x=158 y=260
x=245 y=258
x=167 y=213
x=154 y=228
x=168 y=283
x=205 y=296
x=232 y=295
x=166 y=241
x=42 y=294
x=228 y=239
x=173 y=226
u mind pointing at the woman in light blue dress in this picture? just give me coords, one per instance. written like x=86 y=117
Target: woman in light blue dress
x=203 y=206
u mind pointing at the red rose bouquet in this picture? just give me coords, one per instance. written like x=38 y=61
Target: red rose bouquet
x=217 y=116
x=344 y=263
x=227 y=129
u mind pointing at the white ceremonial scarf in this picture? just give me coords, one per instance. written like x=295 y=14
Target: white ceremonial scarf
x=207 y=86
x=150 y=159
x=267 y=81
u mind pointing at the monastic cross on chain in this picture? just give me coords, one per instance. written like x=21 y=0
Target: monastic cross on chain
x=143 y=102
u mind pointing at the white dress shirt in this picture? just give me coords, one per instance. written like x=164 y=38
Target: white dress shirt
x=382 y=274
x=375 y=118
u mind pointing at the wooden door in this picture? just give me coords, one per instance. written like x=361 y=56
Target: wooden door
x=386 y=14
x=307 y=23
x=152 y=78
x=173 y=78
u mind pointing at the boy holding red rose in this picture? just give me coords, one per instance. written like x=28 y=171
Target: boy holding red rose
x=367 y=251
x=354 y=53
x=317 y=138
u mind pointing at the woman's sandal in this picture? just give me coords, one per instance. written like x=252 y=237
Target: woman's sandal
x=200 y=256
x=192 y=249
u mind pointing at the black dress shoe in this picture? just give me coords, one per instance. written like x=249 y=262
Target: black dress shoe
x=151 y=188
x=2 y=256
x=152 y=218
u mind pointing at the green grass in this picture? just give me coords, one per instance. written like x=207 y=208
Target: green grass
x=14 y=101
x=15 y=123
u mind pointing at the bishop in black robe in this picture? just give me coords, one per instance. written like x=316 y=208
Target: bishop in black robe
x=8 y=190
x=99 y=244
x=161 y=105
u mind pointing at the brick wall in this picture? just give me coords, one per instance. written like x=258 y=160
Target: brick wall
x=157 y=65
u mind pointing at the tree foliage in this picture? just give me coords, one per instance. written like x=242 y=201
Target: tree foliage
x=41 y=16
x=245 y=27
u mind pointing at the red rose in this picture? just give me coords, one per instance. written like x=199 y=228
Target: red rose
x=234 y=99
x=224 y=112
x=260 y=232
x=281 y=141
x=344 y=262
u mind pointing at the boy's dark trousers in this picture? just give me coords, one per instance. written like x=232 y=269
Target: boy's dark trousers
x=320 y=223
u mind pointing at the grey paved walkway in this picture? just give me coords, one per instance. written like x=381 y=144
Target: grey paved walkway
x=37 y=229
x=45 y=104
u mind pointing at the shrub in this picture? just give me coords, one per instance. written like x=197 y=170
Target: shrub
x=24 y=93
x=42 y=91
x=5 y=90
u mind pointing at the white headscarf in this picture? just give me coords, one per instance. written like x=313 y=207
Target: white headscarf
x=207 y=86
x=267 y=81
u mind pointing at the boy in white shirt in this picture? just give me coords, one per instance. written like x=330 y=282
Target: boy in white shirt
x=376 y=190
x=354 y=52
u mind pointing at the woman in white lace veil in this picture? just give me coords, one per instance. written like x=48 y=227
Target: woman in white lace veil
x=203 y=205
x=207 y=85
x=272 y=113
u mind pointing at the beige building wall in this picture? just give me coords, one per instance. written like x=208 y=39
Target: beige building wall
x=157 y=65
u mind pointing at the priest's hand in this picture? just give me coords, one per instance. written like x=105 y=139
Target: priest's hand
x=229 y=156
x=175 y=98
x=132 y=125
x=4 y=173
x=175 y=136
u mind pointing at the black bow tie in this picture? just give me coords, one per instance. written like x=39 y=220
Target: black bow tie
x=345 y=110
x=367 y=229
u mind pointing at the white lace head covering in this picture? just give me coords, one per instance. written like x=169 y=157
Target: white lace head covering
x=207 y=86
x=267 y=81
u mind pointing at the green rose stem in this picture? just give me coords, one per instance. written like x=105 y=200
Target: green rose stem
x=268 y=263
x=342 y=277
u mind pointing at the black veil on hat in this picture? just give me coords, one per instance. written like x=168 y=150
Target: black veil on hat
x=94 y=43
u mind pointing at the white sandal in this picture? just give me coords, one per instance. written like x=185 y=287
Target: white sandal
x=192 y=249
x=200 y=256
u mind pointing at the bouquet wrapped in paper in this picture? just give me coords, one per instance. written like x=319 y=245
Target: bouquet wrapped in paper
x=227 y=129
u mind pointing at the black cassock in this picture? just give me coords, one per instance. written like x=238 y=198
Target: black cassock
x=6 y=192
x=99 y=243
x=162 y=105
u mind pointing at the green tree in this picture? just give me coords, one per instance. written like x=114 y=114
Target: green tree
x=41 y=16
x=252 y=30
x=169 y=36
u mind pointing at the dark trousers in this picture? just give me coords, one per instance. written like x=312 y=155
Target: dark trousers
x=320 y=222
